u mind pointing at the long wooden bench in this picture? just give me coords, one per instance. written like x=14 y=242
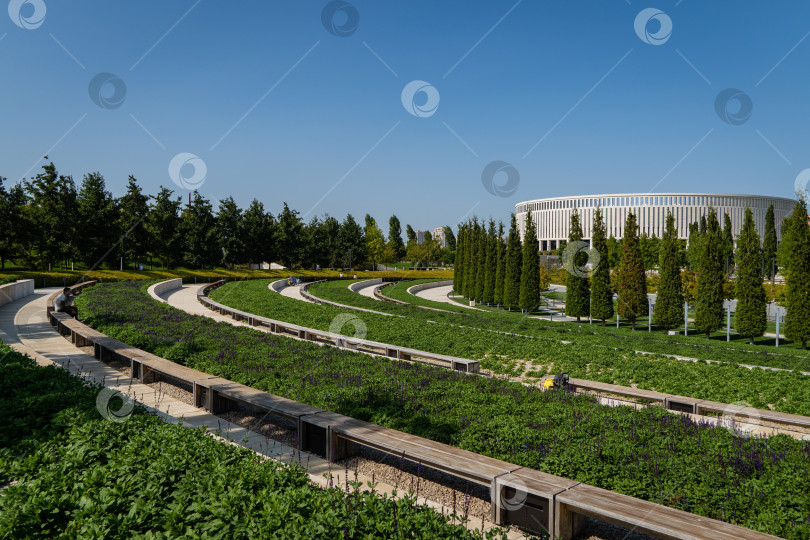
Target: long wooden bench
x=615 y=389
x=704 y=407
x=640 y=516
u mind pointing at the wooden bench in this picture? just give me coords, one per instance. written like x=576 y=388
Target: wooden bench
x=224 y=394
x=704 y=407
x=617 y=390
x=640 y=516
x=525 y=497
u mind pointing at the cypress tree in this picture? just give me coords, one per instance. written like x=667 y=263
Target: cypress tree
x=728 y=242
x=751 y=319
x=500 y=255
x=601 y=295
x=530 y=271
x=514 y=261
x=797 y=322
x=710 y=277
x=693 y=247
x=469 y=266
x=769 y=243
x=578 y=294
x=480 y=262
x=490 y=265
x=632 y=281
x=668 y=309
x=458 y=267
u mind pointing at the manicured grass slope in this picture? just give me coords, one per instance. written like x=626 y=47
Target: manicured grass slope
x=77 y=475
x=599 y=357
x=646 y=453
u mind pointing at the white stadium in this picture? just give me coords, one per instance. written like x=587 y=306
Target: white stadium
x=552 y=217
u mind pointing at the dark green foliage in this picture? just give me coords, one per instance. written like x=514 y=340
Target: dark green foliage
x=12 y=222
x=77 y=475
x=258 y=234
x=709 y=312
x=450 y=238
x=601 y=294
x=668 y=309
x=96 y=215
x=578 y=294
x=458 y=267
x=197 y=224
x=395 y=237
x=352 y=242
x=614 y=248
x=163 y=226
x=410 y=234
x=432 y=402
x=769 y=243
x=751 y=319
x=133 y=209
x=490 y=265
x=51 y=213
x=649 y=246
x=728 y=243
x=631 y=283
x=693 y=247
x=500 y=271
x=529 y=297
x=471 y=268
x=229 y=232
x=480 y=261
x=797 y=322
x=514 y=264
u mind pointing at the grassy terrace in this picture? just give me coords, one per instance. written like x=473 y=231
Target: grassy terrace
x=65 y=472
x=496 y=319
x=603 y=356
x=646 y=453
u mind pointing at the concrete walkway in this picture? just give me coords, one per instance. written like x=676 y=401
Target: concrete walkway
x=366 y=288
x=293 y=291
x=25 y=328
x=439 y=294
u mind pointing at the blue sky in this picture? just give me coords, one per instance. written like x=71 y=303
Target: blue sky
x=280 y=109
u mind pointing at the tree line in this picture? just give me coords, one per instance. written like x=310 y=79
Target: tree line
x=492 y=271
x=709 y=250
x=47 y=221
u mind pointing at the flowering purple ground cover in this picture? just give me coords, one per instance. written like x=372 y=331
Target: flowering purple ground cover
x=648 y=453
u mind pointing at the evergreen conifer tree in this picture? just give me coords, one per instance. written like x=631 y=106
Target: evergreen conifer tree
x=514 y=261
x=601 y=294
x=500 y=255
x=797 y=322
x=631 y=286
x=709 y=313
x=490 y=265
x=751 y=319
x=458 y=266
x=668 y=309
x=578 y=294
x=769 y=243
x=469 y=267
x=728 y=243
x=480 y=263
x=530 y=270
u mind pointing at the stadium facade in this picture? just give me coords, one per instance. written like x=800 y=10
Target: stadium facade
x=552 y=217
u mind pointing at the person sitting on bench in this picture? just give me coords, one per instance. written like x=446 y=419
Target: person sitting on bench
x=64 y=304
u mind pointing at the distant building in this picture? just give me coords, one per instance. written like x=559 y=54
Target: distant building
x=552 y=217
x=438 y=236
x=420 y=236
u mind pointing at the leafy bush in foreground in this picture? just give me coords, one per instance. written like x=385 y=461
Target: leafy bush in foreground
x=647 y=453
x=79 y=476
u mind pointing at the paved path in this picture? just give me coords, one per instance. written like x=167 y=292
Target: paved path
x=366 y=288
x=293 y=291
x=439 y=294
x=24 y=327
